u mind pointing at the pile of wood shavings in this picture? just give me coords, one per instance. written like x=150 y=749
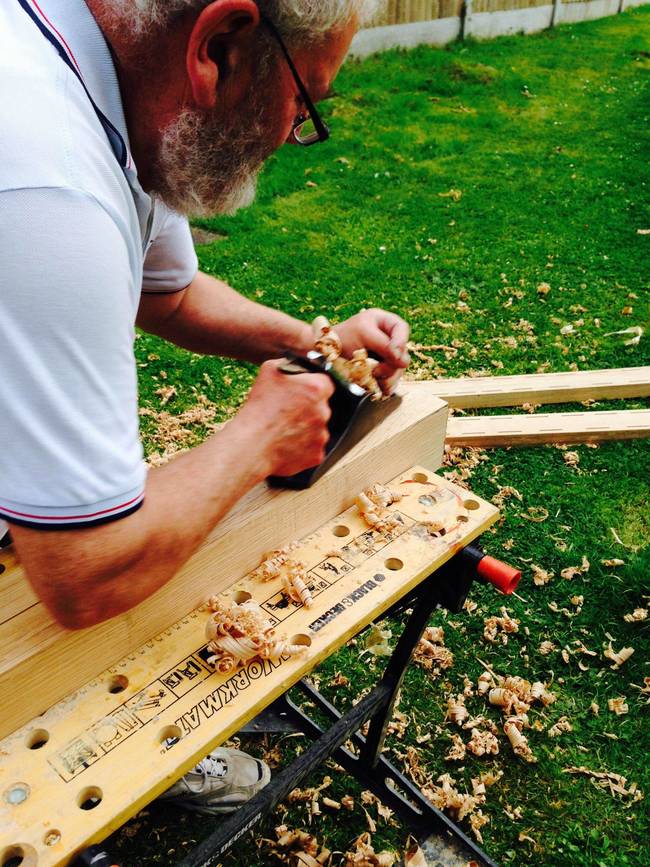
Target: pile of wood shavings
x=500 y=627
x=431 y=652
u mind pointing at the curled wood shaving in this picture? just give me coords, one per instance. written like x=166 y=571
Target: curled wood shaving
x=500 y=626
x=594 y=708
x=363 y=854
x=618 y=657
x=518 y=740
x=295 y=583
x=616 y=783
x=513 y=813
x=540 y=576
x=273 y=561
x=571 y=459
x=613 y=562
x=637 y=616
x=446 y=797
x=571 y=571
x=561 y=726
x=297 y=848
x=619 y=705
x=536 y=514
x=238 y=633
x=456 y=710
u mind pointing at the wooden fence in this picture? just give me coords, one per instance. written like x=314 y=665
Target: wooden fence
x=411 y=22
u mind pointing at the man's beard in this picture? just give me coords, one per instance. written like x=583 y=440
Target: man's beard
x=208 y=165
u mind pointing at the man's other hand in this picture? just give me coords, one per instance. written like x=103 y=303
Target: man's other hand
x=291 y=412
x=384 y=335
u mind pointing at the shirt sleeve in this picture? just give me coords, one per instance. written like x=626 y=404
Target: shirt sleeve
x=170 y=262
x=70 y=453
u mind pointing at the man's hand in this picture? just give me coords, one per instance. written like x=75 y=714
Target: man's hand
x=291 y=412
x=384 y=335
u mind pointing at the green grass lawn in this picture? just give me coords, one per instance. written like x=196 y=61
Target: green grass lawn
x=545 y=138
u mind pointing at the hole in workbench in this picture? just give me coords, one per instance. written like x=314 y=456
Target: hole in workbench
x=52 y=837
x=303 y=640
x=118 y=683
x=394 y=564
x=18 y=854
x=341 y=530
x=462 y=519
x=89 y=798
x=241 y=596
x=420 y=477
x=169 y=736
x=472 y=505
x=37 y=739
x=2 y=568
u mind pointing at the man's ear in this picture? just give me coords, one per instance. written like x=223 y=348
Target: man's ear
x=216 y=42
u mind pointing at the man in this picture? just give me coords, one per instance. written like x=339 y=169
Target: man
x=115 y=119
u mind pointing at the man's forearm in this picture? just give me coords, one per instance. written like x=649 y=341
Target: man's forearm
x=211 y=318
x=122 y=563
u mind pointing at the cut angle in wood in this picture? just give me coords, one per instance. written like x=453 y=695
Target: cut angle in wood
x=539 y=428
x=82 y=769
x=32 y=643
x=542 y=388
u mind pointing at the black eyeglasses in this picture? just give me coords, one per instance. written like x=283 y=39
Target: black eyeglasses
x=309 y=127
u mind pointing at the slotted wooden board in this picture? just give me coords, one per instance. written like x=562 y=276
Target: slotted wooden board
x=109 y=745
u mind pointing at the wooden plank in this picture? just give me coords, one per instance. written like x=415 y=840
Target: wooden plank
x=31 y=642
x=542 y=388
x=558 y=427
x=113 y=745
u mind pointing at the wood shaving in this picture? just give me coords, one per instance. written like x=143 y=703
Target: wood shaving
x=536 y=514
x=504 y=493
x=273 y=561
x=476 y=821
x=571 y=459
x=363 y=854
x=547 y=647
x=376 y=641
x=613 y=562
x=456 y=710
x=238 y=633
x=483 y=743
x=446 y=797
x=518 y=740
x=561 y=726
x=358 y=370
x=375 y=515
x=295 y=583
x=594 y=708
x=297 y=848
x=618 y=658
x=513 y=813
x=571 y=571
x=616 y=783
x=540 y=576
x=619 y=705
x=500 y=626
x=637 y=616
x=430 y=651
x=457 y=750
x=347 y=802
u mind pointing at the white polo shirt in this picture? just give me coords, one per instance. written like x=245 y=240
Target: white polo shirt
x=79 y=242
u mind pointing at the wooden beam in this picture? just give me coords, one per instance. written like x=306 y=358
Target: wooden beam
x=113 y=744
x=542 y=388
x=558 y=427
x=40 y=662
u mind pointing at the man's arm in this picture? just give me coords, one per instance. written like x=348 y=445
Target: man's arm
x=85 y=576
x=210 y=318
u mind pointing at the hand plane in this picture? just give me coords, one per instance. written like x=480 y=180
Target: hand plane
x=354 y=414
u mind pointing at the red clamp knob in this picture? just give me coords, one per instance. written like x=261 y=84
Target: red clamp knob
x=505 y=578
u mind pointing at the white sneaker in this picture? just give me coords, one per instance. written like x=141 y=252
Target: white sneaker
x=223 y=781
